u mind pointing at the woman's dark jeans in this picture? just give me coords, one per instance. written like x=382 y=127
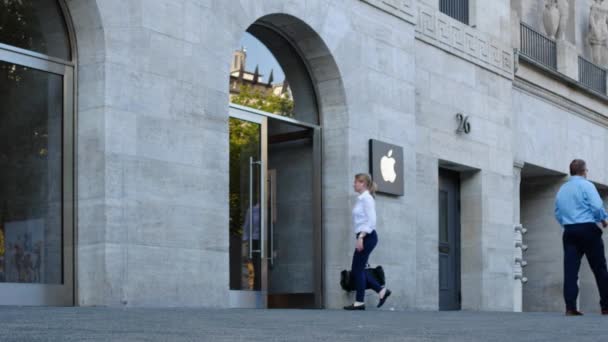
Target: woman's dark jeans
x=358 y=268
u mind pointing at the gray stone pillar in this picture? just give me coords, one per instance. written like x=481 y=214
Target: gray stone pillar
x=567 y=59
x=518 y=285
x=543 y=291
x=472 y=242
x=487 y=241
x=427 y=234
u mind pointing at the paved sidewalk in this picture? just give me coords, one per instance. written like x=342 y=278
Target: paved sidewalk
x=106 y=324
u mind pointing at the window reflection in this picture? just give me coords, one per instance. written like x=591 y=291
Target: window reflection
x=257 y=80
x=31 y=107
x=36 y=25
x=245 y=271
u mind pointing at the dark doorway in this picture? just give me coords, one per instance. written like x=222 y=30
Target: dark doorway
x=449 y=240
x=291 y=216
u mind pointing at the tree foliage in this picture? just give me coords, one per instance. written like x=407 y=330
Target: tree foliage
x=244 y=143
x=265 y=101
x=19 y=25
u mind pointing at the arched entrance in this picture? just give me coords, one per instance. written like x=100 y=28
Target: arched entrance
x=275 y=175
x=36 y=154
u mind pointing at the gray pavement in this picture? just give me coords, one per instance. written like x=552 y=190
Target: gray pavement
x=114 y=324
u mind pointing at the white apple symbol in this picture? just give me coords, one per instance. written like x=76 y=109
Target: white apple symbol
x=387 y=167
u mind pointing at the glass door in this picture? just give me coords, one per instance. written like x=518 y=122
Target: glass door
x=36 y=180
x=247 y=224
x=291 y=215
x=275 y=211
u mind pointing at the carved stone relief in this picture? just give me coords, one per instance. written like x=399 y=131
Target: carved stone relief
x=551 y=18
x=555 y=18
x=597 y=37
x=564 y=14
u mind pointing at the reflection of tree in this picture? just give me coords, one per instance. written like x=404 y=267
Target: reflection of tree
x=19 y=25
x=26 y=115
x=244 y=142
x=3 y=218
x=265 y=101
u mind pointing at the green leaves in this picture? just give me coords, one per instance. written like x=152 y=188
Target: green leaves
x=265 y=100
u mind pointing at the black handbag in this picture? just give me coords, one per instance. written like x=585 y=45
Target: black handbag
x=348 y=284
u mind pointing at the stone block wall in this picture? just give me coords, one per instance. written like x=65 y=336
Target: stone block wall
x=447 y=85
x=153 y=109
x=153 y=131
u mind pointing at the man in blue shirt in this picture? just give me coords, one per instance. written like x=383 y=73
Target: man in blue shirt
x=579 y=209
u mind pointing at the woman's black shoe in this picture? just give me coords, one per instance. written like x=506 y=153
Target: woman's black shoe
x=383 y=299
x=352 y=307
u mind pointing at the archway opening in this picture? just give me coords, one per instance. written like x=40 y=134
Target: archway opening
x=275 y=174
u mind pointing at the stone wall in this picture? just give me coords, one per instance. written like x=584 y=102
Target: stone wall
x=153 y=132
x=550 y=135
x=153 y=105
x=543 y=291
x=447 y=85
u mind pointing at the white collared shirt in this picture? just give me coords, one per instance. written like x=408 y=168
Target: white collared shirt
x=364 y=213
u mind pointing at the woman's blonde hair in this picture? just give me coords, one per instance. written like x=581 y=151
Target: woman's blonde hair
x=369 y=183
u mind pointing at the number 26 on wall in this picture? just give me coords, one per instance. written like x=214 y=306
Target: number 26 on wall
x=464 y=126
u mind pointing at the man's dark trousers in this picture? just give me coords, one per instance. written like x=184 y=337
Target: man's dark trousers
x=584 y=239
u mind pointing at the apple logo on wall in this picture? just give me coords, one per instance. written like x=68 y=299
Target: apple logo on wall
x=387 y=167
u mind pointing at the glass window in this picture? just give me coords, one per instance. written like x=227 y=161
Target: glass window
x=31 y=121
x=36 y=25
x=261 y=83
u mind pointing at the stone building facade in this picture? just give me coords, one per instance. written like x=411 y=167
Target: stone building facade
x=487 y=124
x=240 y=77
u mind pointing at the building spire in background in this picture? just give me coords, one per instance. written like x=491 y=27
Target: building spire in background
x=256 y=74
x=241 y=73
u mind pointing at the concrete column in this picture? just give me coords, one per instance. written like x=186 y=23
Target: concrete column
x=567 y=59
x=471 y=242
x=543 y=291
x=515 y=30
x=427 y=234
x=487 y=241
x=518 y=286
x=517 y=168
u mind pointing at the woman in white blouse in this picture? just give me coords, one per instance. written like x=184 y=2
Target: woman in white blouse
x=364 y=224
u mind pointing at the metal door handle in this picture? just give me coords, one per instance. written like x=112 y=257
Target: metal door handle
x=262 y=214
x=250 y=207
x=271 y=221
x=271 y=242
x=261 y=233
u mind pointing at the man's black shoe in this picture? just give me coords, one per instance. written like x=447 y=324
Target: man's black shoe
x=573 y=313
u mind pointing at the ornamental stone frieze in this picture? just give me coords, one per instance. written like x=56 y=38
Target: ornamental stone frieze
x=402 y=9
x=450 y=35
